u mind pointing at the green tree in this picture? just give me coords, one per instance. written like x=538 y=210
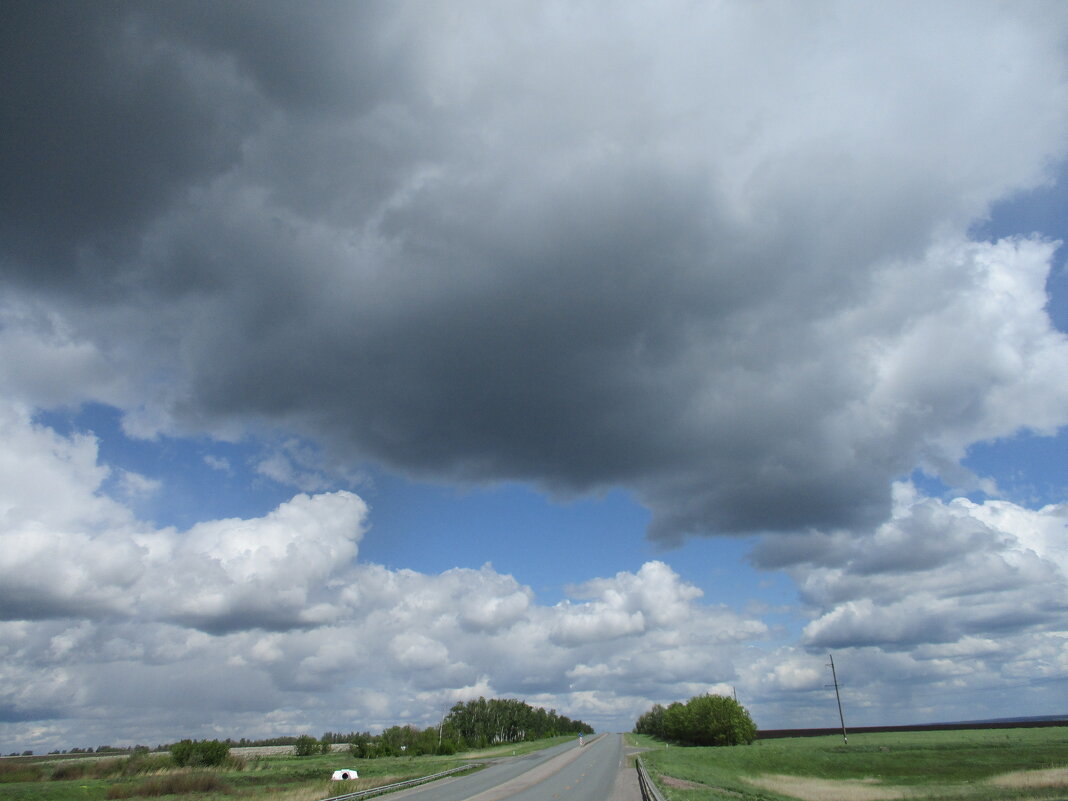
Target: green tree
x=507 y=720
x=676 y=722
x=362 y=746
x=703 y=720
x=306 y=745
x=652 y=722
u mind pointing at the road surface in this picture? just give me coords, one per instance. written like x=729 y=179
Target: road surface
x=596 y=771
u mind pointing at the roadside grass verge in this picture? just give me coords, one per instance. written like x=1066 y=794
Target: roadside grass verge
x=642 y=741
x=275 y=777
x=957 y=765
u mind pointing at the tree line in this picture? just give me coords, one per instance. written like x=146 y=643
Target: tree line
x=703 y=720
x=471 y=724
x=506 y=720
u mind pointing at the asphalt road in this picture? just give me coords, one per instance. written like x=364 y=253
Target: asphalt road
x=568 y=772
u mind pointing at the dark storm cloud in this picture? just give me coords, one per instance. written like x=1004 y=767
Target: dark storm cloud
x=16 y=605
x=240 y=619
x=544 y=243
x=331 y=55
x=104 y=124
x=9 y=713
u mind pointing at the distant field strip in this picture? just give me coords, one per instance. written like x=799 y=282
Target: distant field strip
x=773 y=734
x=278 y=750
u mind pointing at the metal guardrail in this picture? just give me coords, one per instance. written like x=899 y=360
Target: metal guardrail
x=388 y=788
x=650 y=792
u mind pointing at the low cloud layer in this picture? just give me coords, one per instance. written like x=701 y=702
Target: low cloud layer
x=276 y=614
x=937 y=573
x=715 y=255
x=945 y=612
x=128 y=633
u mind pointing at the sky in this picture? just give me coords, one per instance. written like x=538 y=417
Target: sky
x=357 y=359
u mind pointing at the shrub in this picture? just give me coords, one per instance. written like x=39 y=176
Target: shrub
x=140 y=762
x=306 y=745
x=172 y=784
x=447 y=748
x=20 y=772
x=144 y=762
x=703 y=720
x=361 y=747
x=103 y=768
x=194 y=754
x=68 y=770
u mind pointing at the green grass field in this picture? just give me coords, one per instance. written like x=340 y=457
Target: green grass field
x=275 y=777
x=977 y=765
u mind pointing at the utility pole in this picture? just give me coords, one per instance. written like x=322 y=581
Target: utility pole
x=841 y=717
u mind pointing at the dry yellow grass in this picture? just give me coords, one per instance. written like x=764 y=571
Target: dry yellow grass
x=1025 y=779
x=810 y=789
x=305 y=794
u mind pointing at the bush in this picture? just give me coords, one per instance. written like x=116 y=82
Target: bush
x=20 y=772
x=703 y=720
x=144 y=762
x=306 y=745
x=174 y=784
x=362 y=747
x=194 y=754
x=140 y=762
x=104 y=768
x=447 y=748
x=68 y=770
